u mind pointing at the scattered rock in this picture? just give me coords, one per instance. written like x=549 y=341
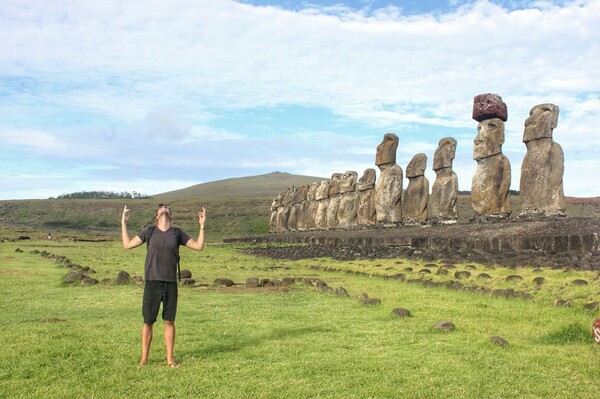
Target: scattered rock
x=494 y=339
x=539 y=280
x=563 y=303
x=369 y=301
x=341 y=291
x=89 y=281
x=188 y=281
x=185 y=274
x=401 y=312
x=484 y=276
x=462 y=274
x=514 y=278
x=592 y=305
x=445 y=325
x=252 y=282
x=579 y=282
x=287 y=281
x=123 y=277
x=223 y=282
x=74 y=276
x=442 y=271
x=424 y=271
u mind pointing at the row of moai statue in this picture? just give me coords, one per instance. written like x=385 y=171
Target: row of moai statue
x=346 y=200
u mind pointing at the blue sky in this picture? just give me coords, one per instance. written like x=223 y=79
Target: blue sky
x=155 y=96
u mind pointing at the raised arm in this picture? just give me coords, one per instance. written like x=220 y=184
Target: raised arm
x=198 y=245
x=128 y=242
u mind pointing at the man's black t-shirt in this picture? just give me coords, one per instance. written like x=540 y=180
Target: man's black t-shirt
x=163 y=250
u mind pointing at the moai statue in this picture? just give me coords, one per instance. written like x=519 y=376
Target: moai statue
x=312 y=204
x=297 y=209
x=283 y=211
x=491 y=182
x=416 y=196
x=388 y=191
x=334 y=200
x=366 y=198
x=542 y=171
x=322 y=197
x=347 y=212
x=275 y=205
x=444 y=193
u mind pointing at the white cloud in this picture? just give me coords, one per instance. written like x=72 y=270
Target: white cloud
x=130 y=75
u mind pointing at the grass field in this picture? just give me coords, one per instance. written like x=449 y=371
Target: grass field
x=64 y=341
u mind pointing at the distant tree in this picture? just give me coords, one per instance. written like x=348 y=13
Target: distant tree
x=102 y=195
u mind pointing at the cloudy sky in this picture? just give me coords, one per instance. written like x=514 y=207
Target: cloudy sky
x=152 y=96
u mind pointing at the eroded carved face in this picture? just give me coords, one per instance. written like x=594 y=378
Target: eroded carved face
x=444 y=155
x=367 y=181
x=543 y=118
x=416 y=166
x=489 y=139
x=348 y=183
x=386 y=150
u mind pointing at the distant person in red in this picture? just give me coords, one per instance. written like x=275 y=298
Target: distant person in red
x=160 y=273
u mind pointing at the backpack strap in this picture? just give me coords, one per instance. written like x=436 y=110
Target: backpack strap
x=149 y=235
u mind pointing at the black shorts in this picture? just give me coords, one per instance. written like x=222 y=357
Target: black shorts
x=156 y=292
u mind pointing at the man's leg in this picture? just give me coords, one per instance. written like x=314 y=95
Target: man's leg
x=170 y=342
x=146 y=341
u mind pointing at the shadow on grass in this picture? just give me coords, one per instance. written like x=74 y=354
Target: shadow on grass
x=240 y=343
x=570 y=334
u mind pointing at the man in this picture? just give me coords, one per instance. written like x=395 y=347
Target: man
x=160 y=273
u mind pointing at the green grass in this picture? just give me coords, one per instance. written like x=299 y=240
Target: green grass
x=84 y=342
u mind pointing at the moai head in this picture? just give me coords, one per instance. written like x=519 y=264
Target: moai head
x=367 y=181
x=300 y=194
x=334 y=186
x=489 y=106
x=322 y=190
x=489 y=139
x=277 y=201
x=444 y=155
x=543 y=118
x=386 y=150
x=288 y=195
x=348 y=183
x=312 y=191
x=416 y=166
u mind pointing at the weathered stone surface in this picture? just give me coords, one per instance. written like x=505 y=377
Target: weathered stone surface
x=444 y=193
x=365 y=211
x=123 y=277
x=541 y=186
x=74 y=276
x=283 y=211
x=322 y=196
x=388 y=195
x=496 y=340
x=311 y=206
x=364 y=298
x=416 y=196
x=386 y=150
x=223 y=282
x=296 y=218
x=185 y=273
x=275 y=205
x=334 y=200
x=539 y=280
x=445 y=325
x=401 y=312
x=488 y=106
x=341 y=291
x=491 y=181
x=252 y=282
x=348 y=210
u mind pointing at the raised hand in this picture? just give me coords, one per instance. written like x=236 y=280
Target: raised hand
x=125 y=216
x=202 y=216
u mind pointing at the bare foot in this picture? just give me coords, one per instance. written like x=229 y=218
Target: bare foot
x=142 y=364
x=174 y=365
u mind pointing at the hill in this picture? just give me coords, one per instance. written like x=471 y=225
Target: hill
x=261 y=186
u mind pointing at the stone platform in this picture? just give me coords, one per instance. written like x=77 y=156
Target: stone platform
x=563 y=242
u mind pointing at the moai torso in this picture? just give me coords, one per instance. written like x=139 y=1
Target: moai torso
x=365 y=211
x=541 y=186
x=444 y=193
x=416 y=196
x=322 y=197
x=388 y=190
x=347 y=212
x=490 y=197
x=334 y=201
